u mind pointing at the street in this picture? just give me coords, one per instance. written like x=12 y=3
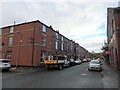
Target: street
x=73 y=77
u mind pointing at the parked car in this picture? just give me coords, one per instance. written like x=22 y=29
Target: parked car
x=67 y=63
x=84 y=60
x=88 y=59
x=4 y=64
x=78 y=61
x=72 y=62
x=95 y=65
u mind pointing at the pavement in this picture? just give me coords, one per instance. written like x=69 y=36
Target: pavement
x=26 y=69
x=110 y=76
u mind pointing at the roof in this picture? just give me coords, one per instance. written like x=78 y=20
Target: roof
x=25 y=23
x=43 y=24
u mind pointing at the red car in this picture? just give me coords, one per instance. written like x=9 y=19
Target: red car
x=84 y=60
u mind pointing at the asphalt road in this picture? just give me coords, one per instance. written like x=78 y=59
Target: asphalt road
x=73 y=77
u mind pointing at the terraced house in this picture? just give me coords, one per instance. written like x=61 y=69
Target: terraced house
x=27 y=44
x=113 y=36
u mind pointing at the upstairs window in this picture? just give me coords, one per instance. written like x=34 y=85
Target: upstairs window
x=43 y=40
x=56 y=45
x=62 y=43
x=62 y=46
x=0 y=31
x=62 y=38
x=44 y=28
x=56 y=35
x=10 y=40
x=11 y=29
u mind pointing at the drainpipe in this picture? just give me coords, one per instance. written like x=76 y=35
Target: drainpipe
x=33 y=44
x=18 y=49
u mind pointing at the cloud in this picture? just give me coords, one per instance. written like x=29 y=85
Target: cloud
x=82 y=21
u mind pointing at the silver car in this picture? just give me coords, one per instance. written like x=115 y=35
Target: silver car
x=95 y=65
x=78 y=61
x=4 y=65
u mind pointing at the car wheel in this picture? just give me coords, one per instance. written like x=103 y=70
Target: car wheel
x=60 y=67
x=47 y=67
x=89 y=69
x=7 y=69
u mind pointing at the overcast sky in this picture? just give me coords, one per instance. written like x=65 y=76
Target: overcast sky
x=81 y=20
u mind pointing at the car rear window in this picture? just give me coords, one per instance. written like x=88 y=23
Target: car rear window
x=5 y=61
x=95 y=61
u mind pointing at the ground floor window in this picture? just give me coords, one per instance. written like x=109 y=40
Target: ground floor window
x=43 y=55
x=8 y=55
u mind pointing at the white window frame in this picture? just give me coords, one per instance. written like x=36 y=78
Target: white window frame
x=71 y=46
x=8 y=56
x=10 y=41
x=43 y=42
x=11 y=29
x=62 y=38
x=56 y=35
x=43 y=56
x=56 y=44
x=62 y=46
x=44 y=29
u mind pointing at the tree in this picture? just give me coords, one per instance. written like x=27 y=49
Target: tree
x=105 y=48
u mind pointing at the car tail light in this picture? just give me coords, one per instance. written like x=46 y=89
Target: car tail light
x=1 y=63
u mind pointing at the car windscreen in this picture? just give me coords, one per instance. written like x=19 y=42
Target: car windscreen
x=58 y=58
x=95 y=62
x=61 y=58
x=77 y=59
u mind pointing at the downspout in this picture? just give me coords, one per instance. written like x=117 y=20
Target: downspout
x=33 y=44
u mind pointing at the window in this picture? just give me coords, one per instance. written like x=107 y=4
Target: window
x=50 y=57
x=62 y=46
x=11 y=29
x=10 y=40
x=0 y=31
x=56 y=35
x=56 y=46
x=44 y=28
x=62 y=38
x=8 y=55
x=43 y=55
x=43 y=40
x=62 y=43
x=71 y=46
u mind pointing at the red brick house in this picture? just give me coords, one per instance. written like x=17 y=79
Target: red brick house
x=27 y=44
x=113 y=36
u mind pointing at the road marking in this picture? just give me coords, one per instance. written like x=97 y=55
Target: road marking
x=83 y=74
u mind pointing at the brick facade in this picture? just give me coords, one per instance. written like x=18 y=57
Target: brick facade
x=113 y=34
x=32 y=41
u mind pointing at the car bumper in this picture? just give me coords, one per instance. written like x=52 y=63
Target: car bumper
x=4 y=68
x=95 y=68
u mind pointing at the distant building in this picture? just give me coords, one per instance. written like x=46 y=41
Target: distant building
x=28 y=44
x=113 y=36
